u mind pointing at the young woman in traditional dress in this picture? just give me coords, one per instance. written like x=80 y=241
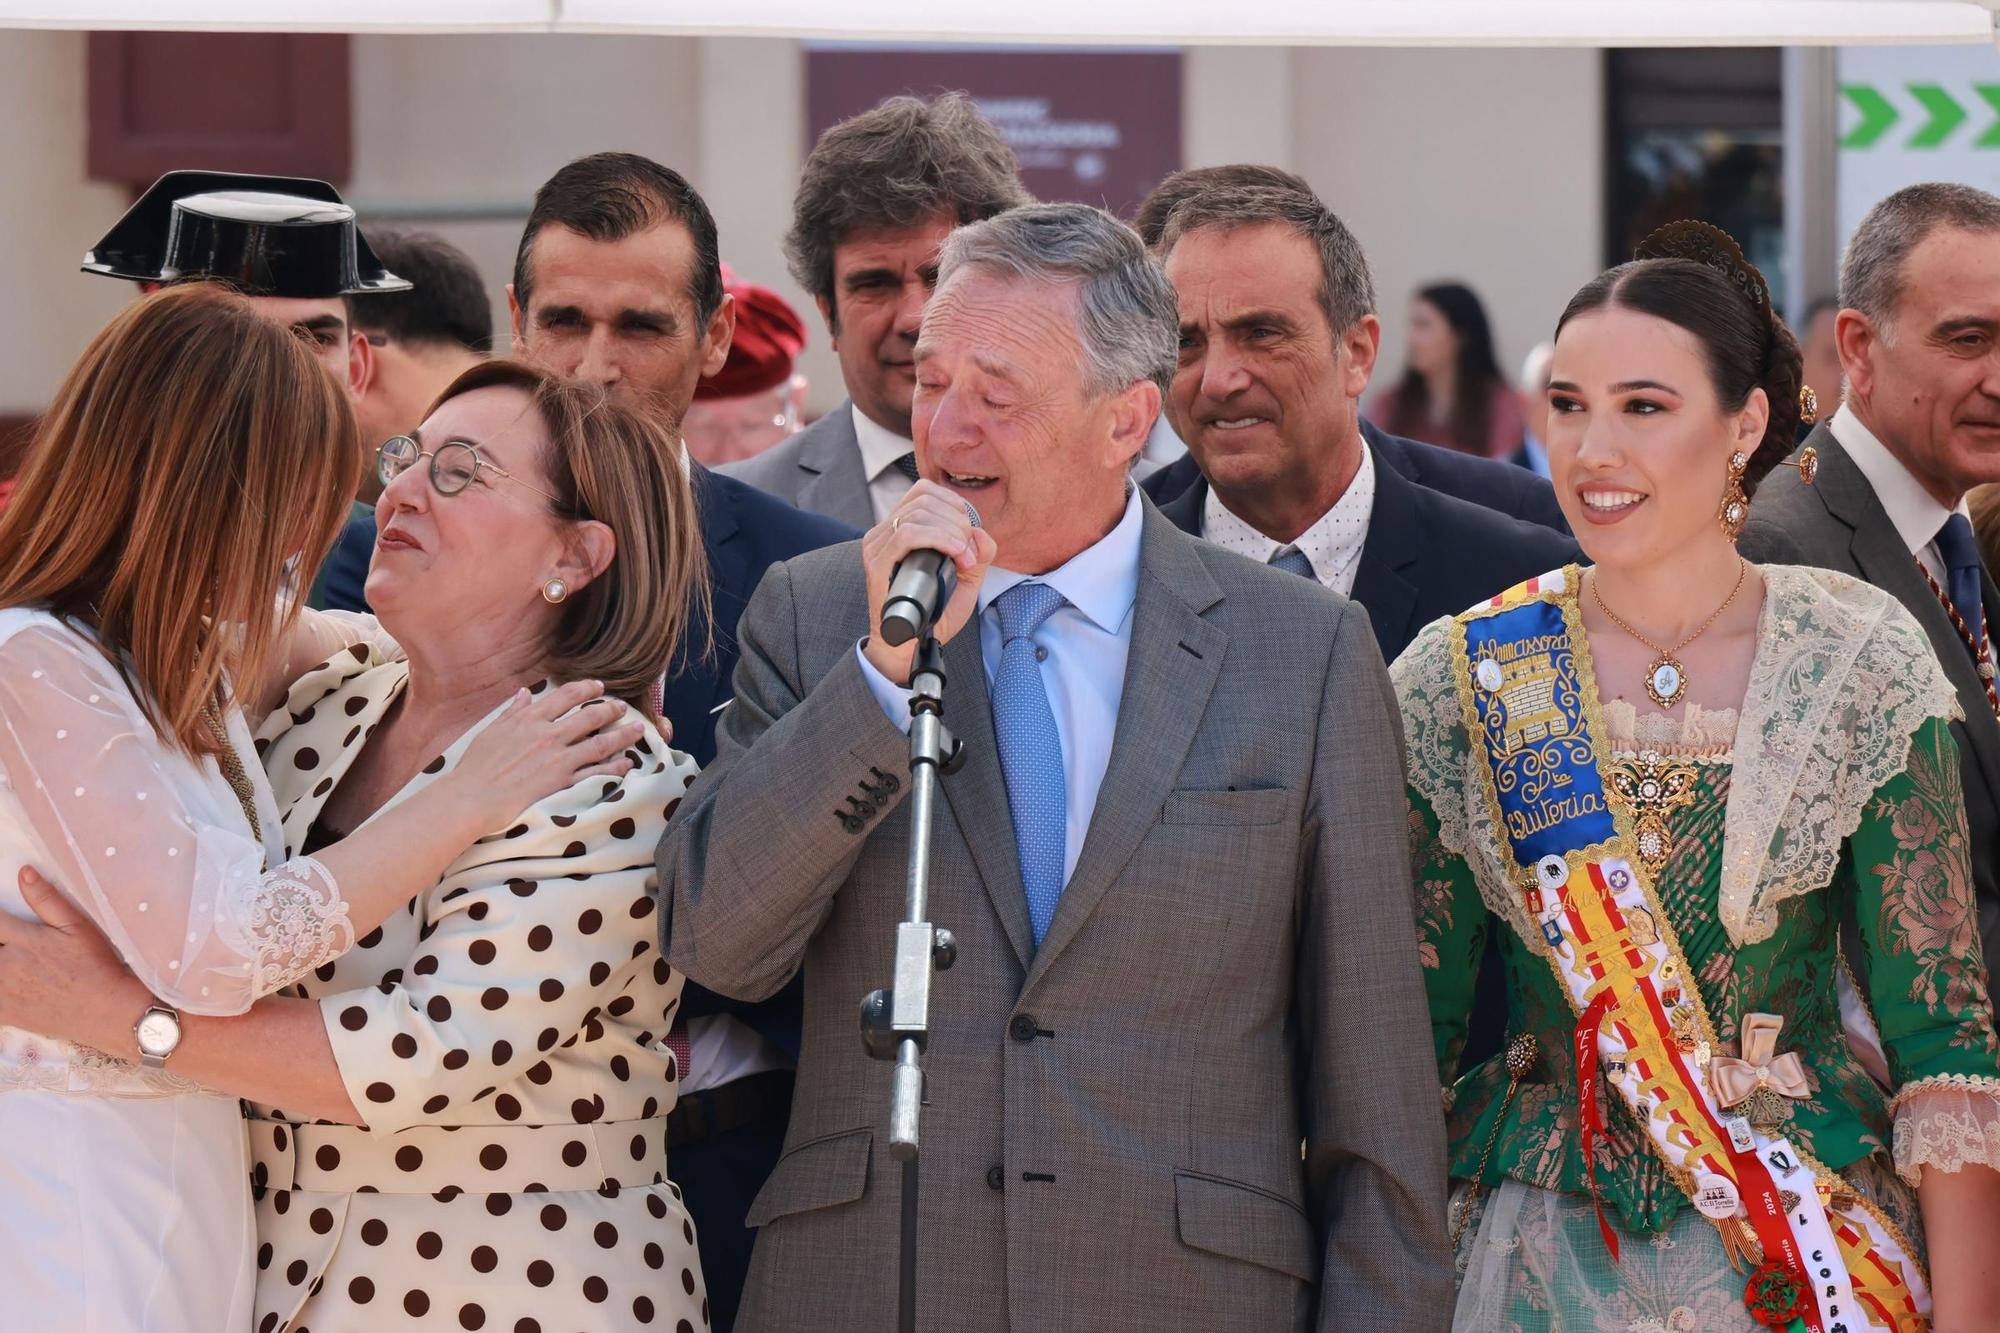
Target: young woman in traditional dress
x=1668 y=780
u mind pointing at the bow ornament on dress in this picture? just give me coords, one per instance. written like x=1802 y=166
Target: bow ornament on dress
x=1763 y=1084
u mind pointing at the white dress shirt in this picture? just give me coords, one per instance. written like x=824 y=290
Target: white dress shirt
x=1914 y=510
x=880 y=448
x=1333 y=544
x=1087 y=640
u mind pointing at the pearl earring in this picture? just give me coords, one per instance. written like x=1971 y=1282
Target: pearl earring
x=555 y=590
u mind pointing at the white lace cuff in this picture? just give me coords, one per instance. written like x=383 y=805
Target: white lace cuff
x=287 y=922
x=1949 y=1122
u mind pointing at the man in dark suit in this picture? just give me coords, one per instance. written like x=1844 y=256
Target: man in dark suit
x=618 y=280
x=1918 y=334
x=1278 y=336
x=878 y=193
x=1492 y=484
x=1176 y=1072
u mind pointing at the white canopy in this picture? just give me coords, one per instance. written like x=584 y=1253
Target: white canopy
x=1119 y=22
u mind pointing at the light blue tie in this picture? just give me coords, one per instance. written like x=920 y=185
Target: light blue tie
x=1031 y=755
x=1294 y=561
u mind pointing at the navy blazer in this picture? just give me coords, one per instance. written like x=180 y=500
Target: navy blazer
x=745 y=532
x=1427 y=554
x=1503 y=487
x=343 y=578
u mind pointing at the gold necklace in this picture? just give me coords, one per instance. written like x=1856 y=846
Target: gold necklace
x=233 y=771
x=1666 y=678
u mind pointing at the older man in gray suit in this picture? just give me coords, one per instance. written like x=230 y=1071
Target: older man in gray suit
x=1175 y=861
x=1918 y=334
x=878 y=193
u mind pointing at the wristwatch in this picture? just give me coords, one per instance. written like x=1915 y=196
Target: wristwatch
x=159 y=1032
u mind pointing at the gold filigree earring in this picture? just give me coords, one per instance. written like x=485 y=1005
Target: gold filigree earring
x=1808 y=414
x=1735 y=511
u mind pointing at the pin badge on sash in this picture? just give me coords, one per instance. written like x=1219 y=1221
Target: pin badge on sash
x=1489 y=675
x=1716 y=1196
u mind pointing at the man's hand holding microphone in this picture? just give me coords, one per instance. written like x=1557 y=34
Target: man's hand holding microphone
x=929 y=519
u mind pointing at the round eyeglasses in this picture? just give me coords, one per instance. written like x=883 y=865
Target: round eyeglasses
x=454 y=465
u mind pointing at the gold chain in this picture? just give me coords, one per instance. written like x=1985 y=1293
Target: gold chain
x=233 y=771
x=1666 y=675
x=1522 y=1053
x=1742 y=568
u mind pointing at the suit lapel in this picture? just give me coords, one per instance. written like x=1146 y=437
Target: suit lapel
x=834 y=481
x=1184 y=510
x=1392 y=547
x=977 y=793
x=1169 y=675
x=1878 y=552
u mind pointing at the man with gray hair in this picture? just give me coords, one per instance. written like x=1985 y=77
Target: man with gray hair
x=1918 y=333
x=878 y=193
x=1487 y=482
x=1278 y=337
x=1175 y=863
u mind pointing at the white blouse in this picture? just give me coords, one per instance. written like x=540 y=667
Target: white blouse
x=152 y=845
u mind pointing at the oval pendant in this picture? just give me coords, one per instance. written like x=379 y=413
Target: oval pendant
x=1665 y=680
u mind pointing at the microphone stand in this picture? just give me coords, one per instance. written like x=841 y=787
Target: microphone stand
x=895 y=1024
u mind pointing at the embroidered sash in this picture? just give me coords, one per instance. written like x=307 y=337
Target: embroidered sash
x=1531 y=709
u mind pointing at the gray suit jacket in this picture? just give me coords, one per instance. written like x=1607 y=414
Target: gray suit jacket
x=1115 y=1119
x=819 y=469
x=1837 y=523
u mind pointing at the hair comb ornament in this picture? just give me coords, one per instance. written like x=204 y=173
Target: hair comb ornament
x=1709 y=245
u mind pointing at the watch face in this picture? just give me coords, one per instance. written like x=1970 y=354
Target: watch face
x=158 y=1033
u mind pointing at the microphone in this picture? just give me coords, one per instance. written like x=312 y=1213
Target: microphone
x=919 y=587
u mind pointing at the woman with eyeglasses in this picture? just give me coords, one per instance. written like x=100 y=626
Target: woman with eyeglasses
x=460 y=1123
x=193 y=453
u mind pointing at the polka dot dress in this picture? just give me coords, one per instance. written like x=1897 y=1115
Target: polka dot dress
x=503 y=1039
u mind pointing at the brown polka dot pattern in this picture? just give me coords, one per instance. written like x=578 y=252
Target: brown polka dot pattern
x=519 y=992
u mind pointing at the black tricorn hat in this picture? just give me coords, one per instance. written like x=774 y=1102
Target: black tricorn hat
x=266 y=235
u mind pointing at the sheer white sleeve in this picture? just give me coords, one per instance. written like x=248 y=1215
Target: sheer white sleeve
x=318 y=635
x=315 y=638
x=151 y=845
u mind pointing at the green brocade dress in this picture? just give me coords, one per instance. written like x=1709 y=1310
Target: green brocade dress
x=1904 y=1071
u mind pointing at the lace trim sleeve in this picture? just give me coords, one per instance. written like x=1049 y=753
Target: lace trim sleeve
x=287 y=922
x=1948 y=1123
x=149 y=843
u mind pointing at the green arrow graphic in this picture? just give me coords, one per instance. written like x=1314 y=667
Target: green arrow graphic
x=1991 y=92
x=1945 y=112
x=1877 y=115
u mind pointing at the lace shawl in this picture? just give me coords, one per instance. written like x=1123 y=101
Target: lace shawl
x=1842 y=678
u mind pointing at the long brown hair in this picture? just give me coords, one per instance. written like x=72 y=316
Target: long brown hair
x=622 y=468
x=1476 y=378
x=193 y=449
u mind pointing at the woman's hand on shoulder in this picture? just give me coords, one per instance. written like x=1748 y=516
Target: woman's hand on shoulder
x=542 y=744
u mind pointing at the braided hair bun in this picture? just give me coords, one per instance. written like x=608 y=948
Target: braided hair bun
x=1695 y=275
